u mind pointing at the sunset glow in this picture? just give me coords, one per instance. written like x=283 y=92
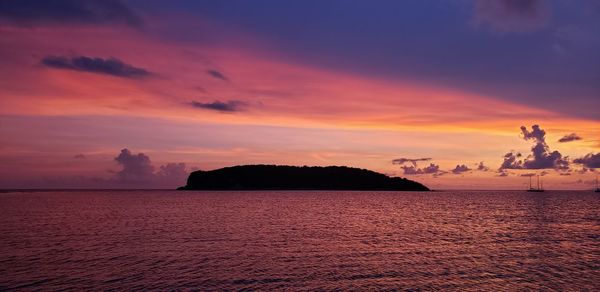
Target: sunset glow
x=196 y=84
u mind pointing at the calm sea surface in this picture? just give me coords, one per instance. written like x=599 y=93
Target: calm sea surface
x=167 y=240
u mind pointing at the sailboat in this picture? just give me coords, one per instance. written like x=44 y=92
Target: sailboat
x=538 y=189
x=597 y=188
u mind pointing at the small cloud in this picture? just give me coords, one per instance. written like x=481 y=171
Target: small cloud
x=512 y=15
x=414 y=170
x=217 y=74
x=79 y=156
x=430 y=169
x=411 y=170
x=569 y=138
x=536 y=134
x=136 y=168
x=511 y=161
x=502 y=173
x=482 y=167
x=460 y=169
x=172 y=173
x=33 y=12
x=413 y=161
x=110 y=66
x=227 y=106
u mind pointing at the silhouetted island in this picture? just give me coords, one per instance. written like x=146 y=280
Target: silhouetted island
x=279 y=177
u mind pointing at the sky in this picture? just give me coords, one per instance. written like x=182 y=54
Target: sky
x=454 y=94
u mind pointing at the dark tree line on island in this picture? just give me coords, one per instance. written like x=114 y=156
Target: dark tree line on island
x=274 y=177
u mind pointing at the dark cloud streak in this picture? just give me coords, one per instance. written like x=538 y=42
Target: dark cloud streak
x=413 y=161
x=217 y=74
x=110 y=66
x=33 y=12
x=569 y=138
x=227 y=106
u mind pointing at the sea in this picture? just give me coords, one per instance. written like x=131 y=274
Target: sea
x=299 y=240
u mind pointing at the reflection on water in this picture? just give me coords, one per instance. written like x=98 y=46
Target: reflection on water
x=300 y=240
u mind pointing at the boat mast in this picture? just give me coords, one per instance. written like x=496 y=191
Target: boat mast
x=538 y=181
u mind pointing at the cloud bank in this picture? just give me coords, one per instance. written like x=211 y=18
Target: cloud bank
x=540 y=158
x=590 y=160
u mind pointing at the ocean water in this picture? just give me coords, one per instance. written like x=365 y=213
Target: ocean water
x=168 y=240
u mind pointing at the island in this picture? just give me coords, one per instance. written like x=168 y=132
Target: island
x=282 y=177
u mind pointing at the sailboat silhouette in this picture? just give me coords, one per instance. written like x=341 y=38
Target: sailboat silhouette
x=532 y=189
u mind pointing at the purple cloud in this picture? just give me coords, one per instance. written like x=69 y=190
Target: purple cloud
x=110 y=66
x=138 y=171
x=413 y=161
x=227 y=106
x=217 y=74
x=502 y=173
x=430 y=169
x=511 y=161
x=482 y=167
x=540 y=158
x=590 y=160
x=569 y=138
x=32 y=12
x=460 y=169
x=136 y=168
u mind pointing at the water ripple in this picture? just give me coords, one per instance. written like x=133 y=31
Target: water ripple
x=163 y=240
